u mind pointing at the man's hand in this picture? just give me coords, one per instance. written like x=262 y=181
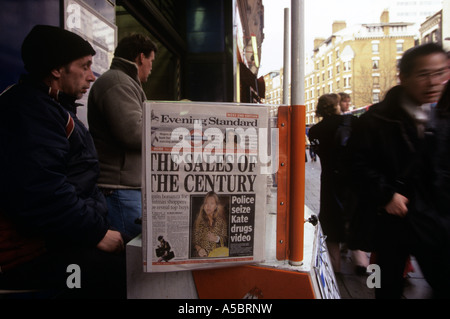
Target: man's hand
x=112 y=242
x=397 y=206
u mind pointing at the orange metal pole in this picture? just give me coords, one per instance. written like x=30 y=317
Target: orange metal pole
x=284 y=121
x=297 y=185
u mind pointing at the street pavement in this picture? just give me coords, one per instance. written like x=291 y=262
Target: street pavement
x=351 y=284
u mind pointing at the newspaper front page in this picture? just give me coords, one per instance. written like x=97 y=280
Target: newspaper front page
x=204 y=188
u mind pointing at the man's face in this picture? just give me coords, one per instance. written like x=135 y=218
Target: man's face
x=345 y=104
x=76 y=77
x=426 y=81
x=145 y=65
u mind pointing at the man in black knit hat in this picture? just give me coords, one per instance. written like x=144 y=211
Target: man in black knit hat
x=53 y=231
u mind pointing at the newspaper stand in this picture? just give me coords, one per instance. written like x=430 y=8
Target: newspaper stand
x=297 y=264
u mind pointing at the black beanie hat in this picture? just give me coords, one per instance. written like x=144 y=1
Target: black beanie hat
x=47 y=47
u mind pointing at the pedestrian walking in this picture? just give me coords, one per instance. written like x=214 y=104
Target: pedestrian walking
x=394 y=168
x=328 y=141
x=359 y=257
x=345 y=102
x=442 y=157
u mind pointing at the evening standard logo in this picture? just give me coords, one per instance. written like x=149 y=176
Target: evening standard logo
x=225 y=145
x=247 y=121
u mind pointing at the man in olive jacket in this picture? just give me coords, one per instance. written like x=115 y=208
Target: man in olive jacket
x=115 y=120
x=394 y=150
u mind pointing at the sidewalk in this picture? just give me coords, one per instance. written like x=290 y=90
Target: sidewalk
x=352 y=285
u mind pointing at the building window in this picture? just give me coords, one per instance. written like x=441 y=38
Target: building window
x=347 y=66
x=399 y=47
x=347 y=82
x=376 y=81
x=376 y=97
x=434 y=37
x=376 y=64
x=375 y=48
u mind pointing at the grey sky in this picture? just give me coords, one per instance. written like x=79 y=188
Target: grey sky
x=319 y=17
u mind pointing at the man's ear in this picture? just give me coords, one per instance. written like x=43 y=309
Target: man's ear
x=403 y=78
x=139 y=58
x=56 y=73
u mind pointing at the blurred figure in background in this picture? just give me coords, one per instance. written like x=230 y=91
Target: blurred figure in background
x=328 y=139
x=345 y=103
x=359 y=258
x=394 y=164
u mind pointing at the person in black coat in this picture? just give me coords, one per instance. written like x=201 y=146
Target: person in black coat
x=442 y=162
x=52 y=215
x=394 y=149
x=328 y=138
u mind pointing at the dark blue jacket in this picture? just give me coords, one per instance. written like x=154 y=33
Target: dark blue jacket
x=48 y=168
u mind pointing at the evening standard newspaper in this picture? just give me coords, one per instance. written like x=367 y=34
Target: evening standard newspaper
x=205 y=167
